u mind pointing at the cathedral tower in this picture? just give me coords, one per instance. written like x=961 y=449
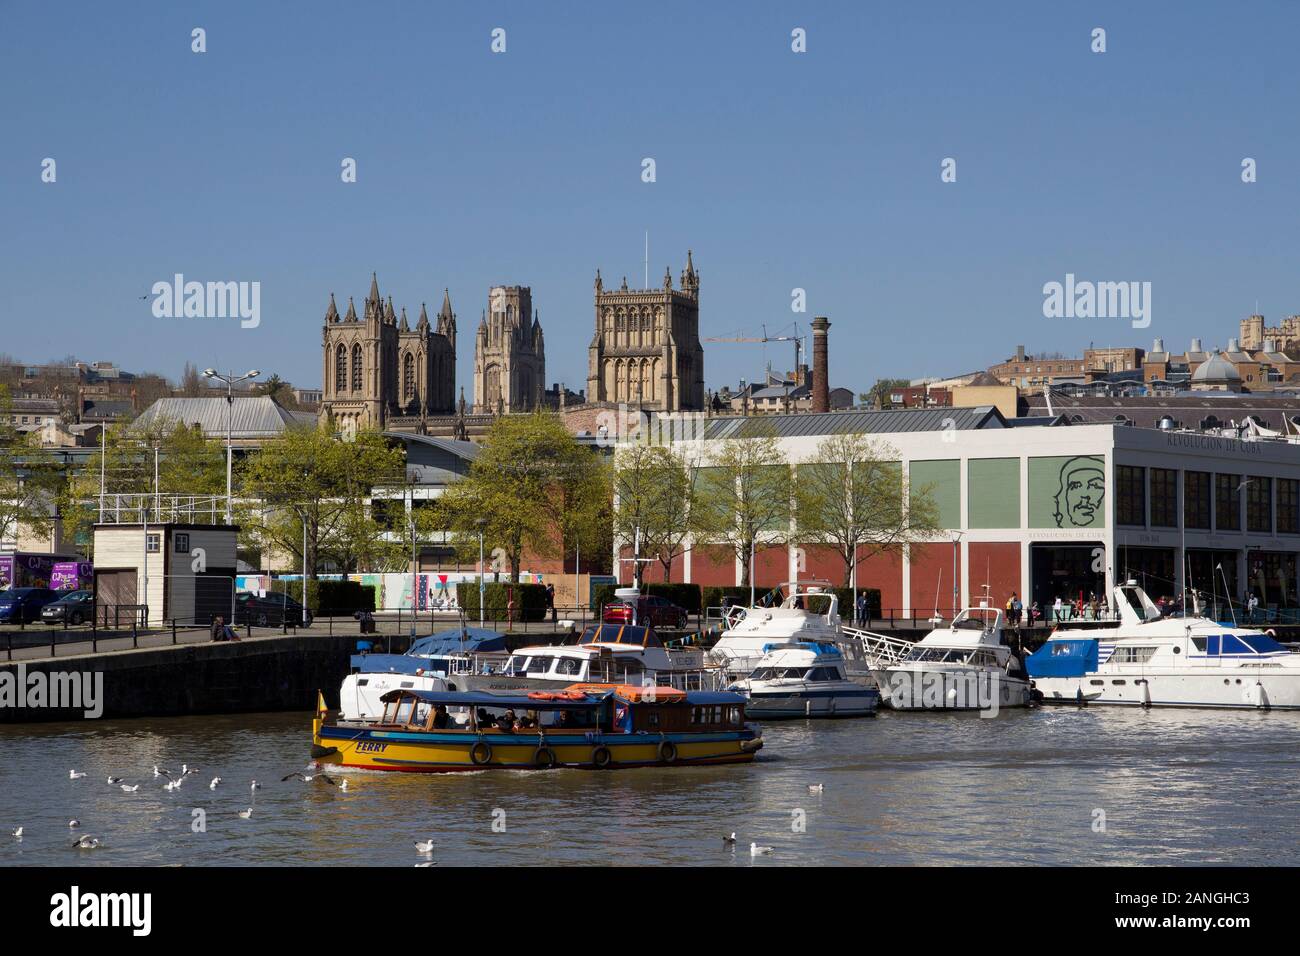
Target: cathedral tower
x=509 y=353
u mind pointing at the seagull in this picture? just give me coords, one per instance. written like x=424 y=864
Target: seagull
x=428 y=863
x=186 y=770
x=126 y=789
x=816 y=787
x=161 y=772
x=73 y=824
x=246 y=814
x=308 y=777
x=75 y=775
x=19 y=833
x=254 y=786
x=86 y=843
x=756 y=850
x=424 y=846
x=730 y=840
x=343 y=786
x=213 y=784
x=113 y=780
x=172 y=785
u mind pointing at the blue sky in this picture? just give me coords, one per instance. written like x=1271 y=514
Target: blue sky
x=780 y=170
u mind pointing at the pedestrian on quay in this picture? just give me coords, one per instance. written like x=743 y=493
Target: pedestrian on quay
x=550 y=602
x=1058 y=610
x=218 y=628
x=861 y=610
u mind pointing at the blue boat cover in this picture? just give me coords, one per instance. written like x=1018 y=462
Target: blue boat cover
x=1063 y=658
x=445 y=643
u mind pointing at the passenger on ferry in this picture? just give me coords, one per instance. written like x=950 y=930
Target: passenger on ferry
x=440 y=717
x=507 y=722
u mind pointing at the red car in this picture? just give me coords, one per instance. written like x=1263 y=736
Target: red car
x=650 y=609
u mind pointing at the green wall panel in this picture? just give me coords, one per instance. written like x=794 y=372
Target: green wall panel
x=993 y=492
x=944 y=477
x=1067 y=492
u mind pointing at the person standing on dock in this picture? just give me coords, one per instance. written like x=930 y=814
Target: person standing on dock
x=550 y=601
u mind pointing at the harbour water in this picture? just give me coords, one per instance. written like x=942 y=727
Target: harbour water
x=1175 y=787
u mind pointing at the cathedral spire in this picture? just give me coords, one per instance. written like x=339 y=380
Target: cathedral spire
x=445 y=311
x=352 y=311
x=332 y=313
x=405 y=325
x=389 y=316
x=423 y=322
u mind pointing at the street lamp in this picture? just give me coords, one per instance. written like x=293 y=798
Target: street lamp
x=956 y=587
x=231 y=381
x=482 y=585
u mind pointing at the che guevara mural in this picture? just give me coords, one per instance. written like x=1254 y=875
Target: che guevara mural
x=1067 y=492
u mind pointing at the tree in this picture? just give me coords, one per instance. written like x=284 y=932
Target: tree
x=852 y=496
x=189 y=465
x=191 y=385
x=308 y=478
x=879 y=394
x=655 y=488
x=276 y=387
x=743 y=494
x=30 y=480
x=531 y=484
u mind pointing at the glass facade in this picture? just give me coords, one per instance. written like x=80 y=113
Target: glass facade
x=1131 y=495
x=1288 y=506
x=1164 y=498
x=1259 y=504
x=1227 y=502
x=1196 y=500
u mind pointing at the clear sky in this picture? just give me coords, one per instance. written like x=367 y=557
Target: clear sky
x=780 y=170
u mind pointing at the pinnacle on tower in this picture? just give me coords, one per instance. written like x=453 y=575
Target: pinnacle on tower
x=446 y=304
x=599 y=285
x=352 y=311
x=389 y=316
x=374 y=288
x=405 y=326
x=423 y=322
x=332 y=312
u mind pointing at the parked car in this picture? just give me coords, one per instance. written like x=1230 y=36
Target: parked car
x=649 y=609
x=71 y=607
x=23 y=605
x=273 y=610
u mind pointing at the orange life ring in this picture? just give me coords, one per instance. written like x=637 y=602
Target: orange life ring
x=541 y=695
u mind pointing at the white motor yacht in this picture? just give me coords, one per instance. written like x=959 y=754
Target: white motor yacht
x=804 y=679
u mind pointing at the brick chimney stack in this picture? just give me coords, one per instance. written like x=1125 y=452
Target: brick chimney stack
x=821 y=392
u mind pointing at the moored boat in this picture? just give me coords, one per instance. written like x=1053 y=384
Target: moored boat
x=804 y=679
x=597 y=728
x=1153 y=660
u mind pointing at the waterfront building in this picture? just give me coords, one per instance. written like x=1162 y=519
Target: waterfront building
x=646 y=349
x=1043 y=510
x=378 y=368
x=509 y=354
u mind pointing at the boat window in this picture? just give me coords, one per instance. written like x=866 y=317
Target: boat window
x=762 y=673
x=792 y=673
x=568 y=666
x=1234 y=645
x=1133 y=655
x=1119 y=682
x=539 y=665
x=1097 y=683
x=363 y=681
x=1199 y=644
x=1261 y=643
x=1062 y=649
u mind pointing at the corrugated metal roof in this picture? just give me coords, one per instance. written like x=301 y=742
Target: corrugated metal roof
x=255 y=416
x=856 y=422
x=463 y=449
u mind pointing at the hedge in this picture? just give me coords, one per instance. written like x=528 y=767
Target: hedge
x=530 y=600
x=329 y=597
x=685 y=596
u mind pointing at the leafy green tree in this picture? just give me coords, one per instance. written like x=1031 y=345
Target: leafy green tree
x=308 y=478
x=530 y=486
x=851 y=495
x=743 y=494
x=655 y=487
x=30 y=479
x=879 y=394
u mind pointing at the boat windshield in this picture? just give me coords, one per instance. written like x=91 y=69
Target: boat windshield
x=778 y=673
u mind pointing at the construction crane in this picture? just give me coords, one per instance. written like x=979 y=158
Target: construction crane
x=798 y=343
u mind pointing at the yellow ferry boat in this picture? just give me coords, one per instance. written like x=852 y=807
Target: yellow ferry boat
x=592 y=726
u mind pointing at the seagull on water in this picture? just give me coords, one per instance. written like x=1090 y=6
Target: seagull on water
x=18 y=833
x=308 y=777
x=126 y=789
x=816 y=787
x=246 y=814
x=172 y=785
x=730 y=840
x=86 y=843
x=186 y=770
x=424 y=846
x=161 y=771
x=428 y=863
x=254 y=786
x=756 y=850
x=75 y=775
x=213 y=784
x=73 y=824
x=343 y=786
x=112 y=780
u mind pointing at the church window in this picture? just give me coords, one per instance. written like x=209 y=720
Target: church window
x=356 y=368
x=341 y=368
x=408 y=376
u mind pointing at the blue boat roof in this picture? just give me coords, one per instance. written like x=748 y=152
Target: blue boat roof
x=471 y=640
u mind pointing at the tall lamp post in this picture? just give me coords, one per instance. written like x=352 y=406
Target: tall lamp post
x=482 y=584
x=231 y=381
x=956 y=585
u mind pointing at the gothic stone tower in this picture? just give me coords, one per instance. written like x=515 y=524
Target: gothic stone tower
x=509 y=353
x=646 y=350
x=376 y=367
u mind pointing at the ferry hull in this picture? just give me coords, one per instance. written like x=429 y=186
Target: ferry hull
x=433 y=752
x=1240 y=692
